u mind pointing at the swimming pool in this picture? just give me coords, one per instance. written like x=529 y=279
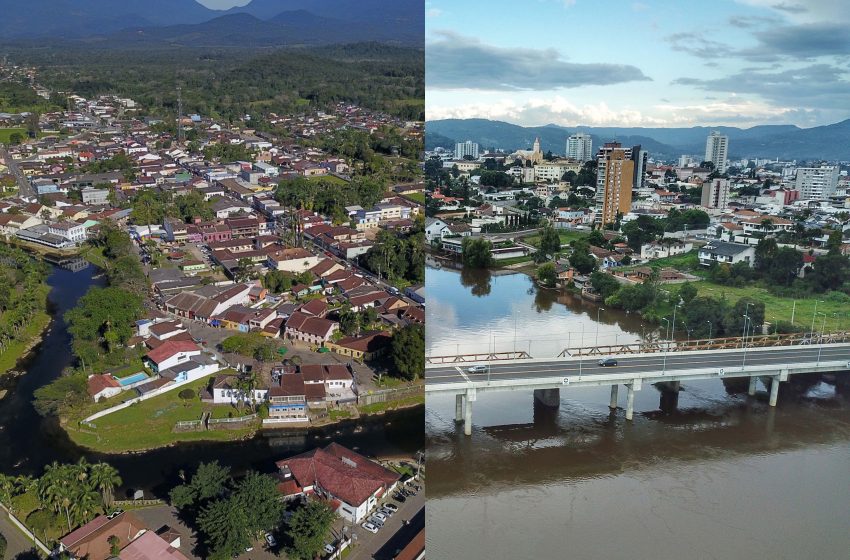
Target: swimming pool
x=135 y=378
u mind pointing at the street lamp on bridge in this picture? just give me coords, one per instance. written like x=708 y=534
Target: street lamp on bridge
x=598 y=311
x=666 y=348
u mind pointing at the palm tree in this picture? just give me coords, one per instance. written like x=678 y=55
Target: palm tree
x=85 y=506
x=105 y=478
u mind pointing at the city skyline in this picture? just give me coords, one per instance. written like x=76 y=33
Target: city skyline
x=736 y=63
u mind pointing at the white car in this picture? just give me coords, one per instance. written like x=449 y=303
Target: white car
x=379 y=515
x=391 y=506
x=329 y=549
x=369 y=527
x=477 y=369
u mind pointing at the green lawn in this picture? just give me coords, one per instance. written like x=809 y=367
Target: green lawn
x=566 y=237
x=780 y=309
x=417 y=197
x=149 y=424
x=5 y=133
x=515 y=260
x=686 y=262
x=328 y=179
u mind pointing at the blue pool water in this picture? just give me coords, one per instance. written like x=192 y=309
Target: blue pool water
x=136 y=377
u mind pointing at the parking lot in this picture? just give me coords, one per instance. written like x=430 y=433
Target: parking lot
x=366 y=544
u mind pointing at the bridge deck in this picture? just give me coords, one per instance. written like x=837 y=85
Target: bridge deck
x=529 y=373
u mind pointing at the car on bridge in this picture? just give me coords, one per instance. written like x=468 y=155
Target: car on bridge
x=477 y=369
x=607 y=362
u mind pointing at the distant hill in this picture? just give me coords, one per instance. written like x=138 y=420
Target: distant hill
x=266 y=22
x=245 y=30
x=831 y=142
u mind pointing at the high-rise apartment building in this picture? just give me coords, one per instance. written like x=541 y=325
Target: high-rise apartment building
x=468 y=148
x=580 y=147
x=715 y=194
x=817 y=183
x=717 y=150
x=614 y=181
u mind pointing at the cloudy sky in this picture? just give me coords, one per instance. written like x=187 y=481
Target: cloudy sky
x=639 y=63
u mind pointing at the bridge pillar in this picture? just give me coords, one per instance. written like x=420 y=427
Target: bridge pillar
x=458 y=408
x=548 y=397
x=467 y=421
x=774 y=390
x=613 y=404
x=630 y=399
x=752 y=389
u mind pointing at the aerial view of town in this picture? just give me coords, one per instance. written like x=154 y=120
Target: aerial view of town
x=212 y=281
x=638 y=321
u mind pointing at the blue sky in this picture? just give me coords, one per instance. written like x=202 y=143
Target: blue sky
x=639 y=63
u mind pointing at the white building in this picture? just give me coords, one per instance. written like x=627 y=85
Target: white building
x=580 y=147
x=468 y=148
x=817 y=183
x=717 y=150
x=72 y=231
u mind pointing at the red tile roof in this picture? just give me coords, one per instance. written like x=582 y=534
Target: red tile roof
x=169 y=348
x=98 y=383
x=343 y=473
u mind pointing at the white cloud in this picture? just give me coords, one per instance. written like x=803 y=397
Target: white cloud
x=433 y=12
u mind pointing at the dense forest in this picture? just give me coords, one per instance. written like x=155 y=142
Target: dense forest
x=228 y=83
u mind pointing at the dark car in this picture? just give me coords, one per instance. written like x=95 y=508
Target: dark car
x=607 y=362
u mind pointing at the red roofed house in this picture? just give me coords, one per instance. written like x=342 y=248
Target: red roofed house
x=313 y=330
x=341 y=476
x=150 y=546
x=171 y=353
x=92 y=539
x=103 y=386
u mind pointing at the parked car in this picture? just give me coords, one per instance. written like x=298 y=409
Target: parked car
x=386 y=511
x=376 y=521
x=477 y=369
x=398 y=497
x=379 y=515
x=270 y=540
x=369 y=527
x=607 y=362
x=392 y=507
x=329 y=549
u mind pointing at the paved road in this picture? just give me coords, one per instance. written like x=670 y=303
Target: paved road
x=16 y=541
x=24 y=186
x=676 y=361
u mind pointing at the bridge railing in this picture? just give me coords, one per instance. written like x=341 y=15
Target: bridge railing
x=482 y=357
x=758 y=341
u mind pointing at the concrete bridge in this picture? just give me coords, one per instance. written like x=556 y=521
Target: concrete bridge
x=513 y=371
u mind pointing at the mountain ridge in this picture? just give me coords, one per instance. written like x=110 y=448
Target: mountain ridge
x=831 y=142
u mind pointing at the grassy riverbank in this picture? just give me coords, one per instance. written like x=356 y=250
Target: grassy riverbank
x=150 y=424
x=29 y=337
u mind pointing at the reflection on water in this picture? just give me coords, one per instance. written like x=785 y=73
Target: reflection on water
x=705 y=473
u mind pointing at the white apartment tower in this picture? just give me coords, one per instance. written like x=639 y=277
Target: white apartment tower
x=468 y=148
x=817 y=183
x=715 y=194
x=717 y=150
x=580 y=147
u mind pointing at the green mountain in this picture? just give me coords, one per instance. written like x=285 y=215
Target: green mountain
x=830 y=142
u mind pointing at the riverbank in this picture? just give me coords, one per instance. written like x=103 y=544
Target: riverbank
x=29 y=338
x=155 y=423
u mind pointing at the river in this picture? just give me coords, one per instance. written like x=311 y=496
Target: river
x=719 y=476
x=28 y=441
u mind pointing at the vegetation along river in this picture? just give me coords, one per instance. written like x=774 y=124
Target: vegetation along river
x=28 y=441
x=720 y=475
